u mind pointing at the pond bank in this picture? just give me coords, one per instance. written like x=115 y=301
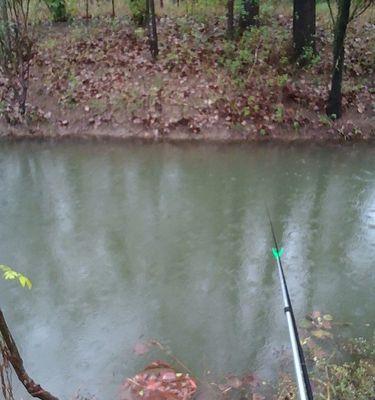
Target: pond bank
x=219 y=134
x=94 y=79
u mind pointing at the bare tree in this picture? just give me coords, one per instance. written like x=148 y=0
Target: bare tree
x=113 y=9
x=230 y=19
x=87 y=14
x=152 y=29
x=347 y=10
x=16 y=44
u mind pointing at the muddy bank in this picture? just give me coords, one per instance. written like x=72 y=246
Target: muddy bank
x=92 y=80
x=218 y=134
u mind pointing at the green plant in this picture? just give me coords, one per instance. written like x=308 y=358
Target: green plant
x=352 y=381
x=2 y=107
x=10 y=274
x=70 y=94
x=246 y=111
x=262 y=132
x=279 y=113
x=296 y=126
x=58 y=10
x=282 y=80
x=138 y=11
x=325 y=120
x=309 y=57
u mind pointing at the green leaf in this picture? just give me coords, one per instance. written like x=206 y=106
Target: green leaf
x=5 y=267
x=24 y=281
x=328 y=317
x=10 y=275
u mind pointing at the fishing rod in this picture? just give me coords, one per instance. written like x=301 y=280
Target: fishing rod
x=302 y=375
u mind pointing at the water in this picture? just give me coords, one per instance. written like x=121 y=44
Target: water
x=129 y=242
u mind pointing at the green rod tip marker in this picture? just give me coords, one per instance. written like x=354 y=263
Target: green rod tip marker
x=277 y=254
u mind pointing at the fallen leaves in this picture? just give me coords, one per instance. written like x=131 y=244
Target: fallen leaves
x=159 y=381
x=201 y=80
x=322 y=334
x=141 y=348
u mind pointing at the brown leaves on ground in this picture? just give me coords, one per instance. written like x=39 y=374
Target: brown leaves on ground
x=103 y=74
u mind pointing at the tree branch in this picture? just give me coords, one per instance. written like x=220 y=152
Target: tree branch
x=15 y=359
x=358 y=10
x=331 y=12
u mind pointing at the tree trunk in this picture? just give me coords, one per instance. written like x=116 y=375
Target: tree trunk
x=230 y=19
x=250 y=14
x=15 y=359
x=113 y=9
x=87 y=9
x=24 y=83
x=152 y=30
x=334 y=105
x=304 y=20
x=161 y=3
x=5 y=18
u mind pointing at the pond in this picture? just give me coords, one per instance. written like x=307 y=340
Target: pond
x=130 y=242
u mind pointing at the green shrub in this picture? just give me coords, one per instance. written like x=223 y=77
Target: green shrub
x=138 y=11
x=58 y=10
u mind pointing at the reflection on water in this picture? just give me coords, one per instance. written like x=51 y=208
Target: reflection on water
x=128 y=242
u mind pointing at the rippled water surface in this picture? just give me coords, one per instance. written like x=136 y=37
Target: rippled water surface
x=130 y=242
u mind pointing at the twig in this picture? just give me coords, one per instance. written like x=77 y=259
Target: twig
x=255 y=59
x=331 y=12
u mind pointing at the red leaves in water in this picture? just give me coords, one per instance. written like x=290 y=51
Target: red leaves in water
x=141 y=348
x=257 y=396
x=158 y=381
x=247 y=382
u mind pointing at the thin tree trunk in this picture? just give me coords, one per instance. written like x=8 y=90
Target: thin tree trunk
x=15 y=359
x=87 y=9
x=250 y=14
x=161 y=3
x=5 y=18
x=230 y=19
x=334 y=105
x=113 y=9
x=152 y=30
x=24 y=82
x=304 y=21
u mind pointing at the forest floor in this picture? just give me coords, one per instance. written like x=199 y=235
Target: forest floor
x=96 y=79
